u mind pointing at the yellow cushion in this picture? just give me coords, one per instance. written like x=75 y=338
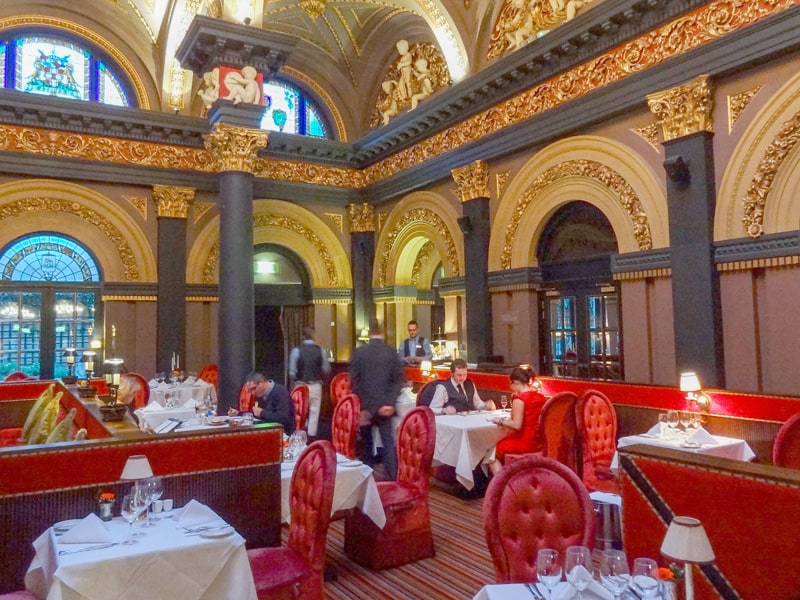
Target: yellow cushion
x=47 y=421
x=81 y=434
x=36 y=410
x=63 y=431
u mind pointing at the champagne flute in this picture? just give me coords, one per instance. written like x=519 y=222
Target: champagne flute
x=578 y=566
x=645 y=577
x=132 y=506
x=504 y=402
x=672 y=420
x=548 y=571
x=614 y=572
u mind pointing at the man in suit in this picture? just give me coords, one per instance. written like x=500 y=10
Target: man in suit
x=377 y=376
x=458 y=394
x=415 y=348
x=308 y=363
x=272 y=401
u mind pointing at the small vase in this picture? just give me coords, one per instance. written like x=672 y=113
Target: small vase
x=105 y=510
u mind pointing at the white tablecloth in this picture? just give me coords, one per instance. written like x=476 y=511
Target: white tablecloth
x=188 y=393
x=519 y=591
x=725 y=447
x=165 y=563
x=355 y=487
x=464 y=440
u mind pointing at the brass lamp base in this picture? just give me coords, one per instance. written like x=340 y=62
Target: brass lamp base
x=87 y=391
x=114 y=412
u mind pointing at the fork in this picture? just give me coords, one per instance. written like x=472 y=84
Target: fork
x=534 y=591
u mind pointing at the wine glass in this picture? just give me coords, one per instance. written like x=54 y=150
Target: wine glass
x=504 y=402
x=548 y=571
x=645 y=577
x=614 y=572
x=152 y=488
x=578 y=566
x=672 y=420
x=132 y=506
x=685 y=419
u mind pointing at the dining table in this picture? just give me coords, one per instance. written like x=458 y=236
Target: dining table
x=534 y=591
x=465 y=440
x=711 y=445
x=190 y=391
x=167 y=561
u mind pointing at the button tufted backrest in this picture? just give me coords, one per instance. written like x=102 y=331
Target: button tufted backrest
x=786 y=449
x=210 y=374
x=300 y=402
x=534 y=502
x=345 y=425
x=246 y=399
x=340 y=386
x=310 y=502
x=558 y=431
x=416 y=439
x=597 y=427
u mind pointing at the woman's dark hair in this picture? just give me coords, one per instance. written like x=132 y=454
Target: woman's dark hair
x=522 y=374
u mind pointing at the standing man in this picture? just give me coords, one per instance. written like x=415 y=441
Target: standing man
x=458 y=394
x=307 y=365
x=377 y=376
x=414 y=349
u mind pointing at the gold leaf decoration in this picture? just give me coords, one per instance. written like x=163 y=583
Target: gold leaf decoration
x=172 y=201
x=337 y=220
x=362 y=217
x=472 y=181
x=500 y=180
x=200 y=208
x=684 y=109
x=139 y=203
x=422 y=258
x=649 y=133
x=235 y=148
x=738 y=102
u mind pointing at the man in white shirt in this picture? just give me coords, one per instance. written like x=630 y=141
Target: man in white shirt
x=457 y=394
x=415 y=348
x=308 y=364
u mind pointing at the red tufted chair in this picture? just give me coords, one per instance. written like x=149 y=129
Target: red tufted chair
x=786 y=449
x=345 y=425
x=210 y=374
x=597 y=428
x=558 y=430
x=340 y=387
x=17 y=376
x=533 y=503
x=299 y=397
x=296 y=571
x=407 y=536
x=137 y=387
x=246 y=399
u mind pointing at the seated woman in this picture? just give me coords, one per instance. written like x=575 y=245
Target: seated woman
x=526 y=404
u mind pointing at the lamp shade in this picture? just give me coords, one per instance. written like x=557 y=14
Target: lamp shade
x=70 y=354
x=690 y=382
x=686 y=541
x=137 y=467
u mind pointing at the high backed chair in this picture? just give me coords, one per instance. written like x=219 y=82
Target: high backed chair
x=597 y=428
x=210 y=374
x=299 y=397
x=296 y=571
x=246 y=399
x=558 y=429
x=17 y=376
x=406 y=536
x=134 y=389
x=786 y=449
x=340 y=386
x=345 y=425
x=426 y=392
x=533 y=503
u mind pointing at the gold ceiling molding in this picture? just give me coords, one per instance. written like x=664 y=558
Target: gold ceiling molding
x=234 y=148
x=173 y=201
x=80 y=30
x=61 y=205
x=472 y=181
x=337 y=220
x=645 y=274
x=362 y=217
x=774 y=262
x=302 y=172
x=330 y=105
x=139 y=203
x=313 y=8
x=648 y=133
x=414 y=216
x=601 y=173
x=201 y=208
x=684 y=109
x=738 y=102
x=142 y=20
x=421 y=260
x=211 y=263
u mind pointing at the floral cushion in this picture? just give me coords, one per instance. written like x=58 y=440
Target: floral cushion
x=36 y=411
x=63 y=431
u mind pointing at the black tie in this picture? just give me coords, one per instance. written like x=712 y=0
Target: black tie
x=461 y=390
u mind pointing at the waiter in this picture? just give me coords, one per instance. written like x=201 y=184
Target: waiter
x=414 y=349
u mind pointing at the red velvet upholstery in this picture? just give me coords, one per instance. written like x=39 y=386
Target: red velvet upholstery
x=210 y=374
x=597 y=428
x=340 y=386
x=407 y=536
x=345 y=425
x=558 y=429
x=296 y=571
x=299 y=397
x=137 y=386
x=17 y=376
x=246 y=399
x=533 y=503
x=786 y=449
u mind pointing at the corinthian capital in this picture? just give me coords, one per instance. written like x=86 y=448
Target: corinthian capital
x=235 y=148
x=362 y=217
x=472 y=181
x=684 y=109
x=172 y=201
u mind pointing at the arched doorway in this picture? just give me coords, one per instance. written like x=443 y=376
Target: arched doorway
x=581 y=325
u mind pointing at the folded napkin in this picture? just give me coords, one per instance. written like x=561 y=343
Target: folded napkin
x=595 y=591
x=189 y=381
x=701 y=436
x=152 y=406
x=196 y=513
x=90 y=530
x=655 y=430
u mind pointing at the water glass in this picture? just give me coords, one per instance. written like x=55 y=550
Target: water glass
x=548 y=570
x=504 y=402
x=662 y=424
x=578 y=566
x=614 y=571
x=644 y=578
x=132 y=506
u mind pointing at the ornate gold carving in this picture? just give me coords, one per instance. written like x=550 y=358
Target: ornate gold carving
x=382 y=220
x=362 y=217
x=235 y=148
x=337 y=220
x=300 y=172
x=419 y=215
x=684 y=109
x=72 y=207
x=200 y=208
x=774 y=262
x=646 y=274
x=211 y=264
x=581 y=168
x=172 y=200
x=648 y=133
x=313 y=8
x=139 y=203
x=472 y=181
x=500 y=180
x=738 y=102
x=422 y=258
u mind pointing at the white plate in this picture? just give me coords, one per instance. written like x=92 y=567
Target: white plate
x=217 y=532
x=64 y=526
x=218 y=421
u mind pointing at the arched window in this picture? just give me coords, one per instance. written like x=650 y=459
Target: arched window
x=55 y=66
x=289 y=110
x=48 y=258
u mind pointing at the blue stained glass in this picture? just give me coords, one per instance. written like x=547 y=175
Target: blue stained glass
x=47 y=258
x=109 y=89
x=290 y=111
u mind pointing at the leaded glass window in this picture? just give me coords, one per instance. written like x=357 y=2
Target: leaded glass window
x=48 y=258
x=289 y=110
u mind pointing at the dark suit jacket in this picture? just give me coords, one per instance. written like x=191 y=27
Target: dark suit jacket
x=377 y=375
x=278 y=408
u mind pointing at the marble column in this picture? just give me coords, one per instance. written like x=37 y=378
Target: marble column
x=362 y=259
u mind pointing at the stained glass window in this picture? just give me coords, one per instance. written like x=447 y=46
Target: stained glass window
x=47 y=258
x=289 y=110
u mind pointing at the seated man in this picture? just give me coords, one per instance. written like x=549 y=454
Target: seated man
x=272 y=401
x=457 y=394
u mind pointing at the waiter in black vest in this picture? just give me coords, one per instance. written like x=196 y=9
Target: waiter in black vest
x=308 y=363
x=414 y=349
x=458 y=394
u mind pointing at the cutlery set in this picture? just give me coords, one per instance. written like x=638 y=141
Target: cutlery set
x=88 y=548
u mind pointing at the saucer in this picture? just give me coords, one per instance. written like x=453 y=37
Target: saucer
x=217 y=532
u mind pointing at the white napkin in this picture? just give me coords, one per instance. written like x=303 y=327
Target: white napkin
x=655 y=430
x=701 y=436
x=152 y=406
x=196 y=513
x=90 y=530
x=190 y=381
x=565 y=591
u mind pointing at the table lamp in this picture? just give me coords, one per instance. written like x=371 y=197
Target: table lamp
x=70 y=355
x=88 y=358
x=137 y=467
x=690 y=383
x=686 y=541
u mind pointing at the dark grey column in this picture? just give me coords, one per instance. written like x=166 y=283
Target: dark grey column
x=362 y=253
x=476 y=229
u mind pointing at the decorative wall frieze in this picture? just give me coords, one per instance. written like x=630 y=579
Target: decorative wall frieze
x=683 y=110
x=738 y=102
x=173 y=201
x=201 y=208
x=523 y=278
x=362 y=217
x=304 y=172
x=772 y=250
x=452 y=286
x=400 y=294
x=420 y=262
x=641 y=265
x=235 y=148
x=472 y=181
x=331 y=296
x=649 y=133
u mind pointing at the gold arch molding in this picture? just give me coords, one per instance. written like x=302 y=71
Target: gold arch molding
x=120 y=246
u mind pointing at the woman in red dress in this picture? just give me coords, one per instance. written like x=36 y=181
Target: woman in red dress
x=526 y=404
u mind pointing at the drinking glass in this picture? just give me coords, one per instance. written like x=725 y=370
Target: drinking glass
x=302 y=440
x=578 y=566
x=685 y=419
x=672 y=420
x=645 y=577
x=152 y=488
x=614 y=572
x=662 y=422
x=132 y=506
x=548 y=571
x=504 y=402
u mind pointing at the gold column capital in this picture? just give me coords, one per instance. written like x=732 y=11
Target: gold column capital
x=172 y=200
x=472 y=181
x=362 y=217
x=235 y=148
x=684 y=109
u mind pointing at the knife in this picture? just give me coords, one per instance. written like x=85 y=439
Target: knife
x=87 y=548
x=534 y=590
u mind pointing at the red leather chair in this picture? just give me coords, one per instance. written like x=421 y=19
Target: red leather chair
x=17 y=376
x=407 y=536
x=296 y=571
x=345 y=425
x=597 y=428
x=246 y=399
x=557 y=431
x=340 y=387
x=299 y=397
x=786 y=449
x=210 y=374
x=533 y=503
x=137 y=390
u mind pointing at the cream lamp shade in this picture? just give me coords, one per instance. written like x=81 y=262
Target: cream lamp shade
x=137 y=467
x=686 y=541
x=690 y=382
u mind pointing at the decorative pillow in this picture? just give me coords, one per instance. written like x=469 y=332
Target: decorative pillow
x=82 y=434
x=36 y=411
x=47 y=421
x=63 y=431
